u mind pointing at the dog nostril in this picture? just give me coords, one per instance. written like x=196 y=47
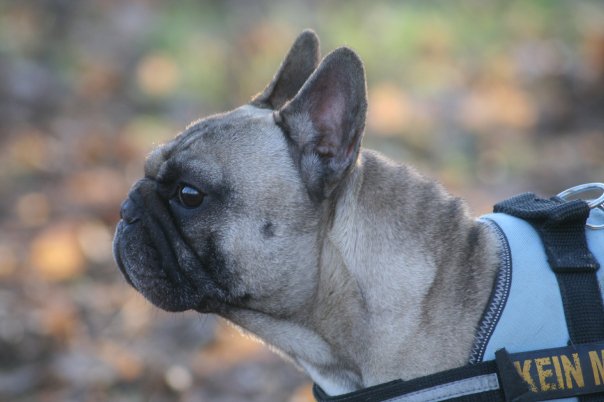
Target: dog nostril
x=128 y=211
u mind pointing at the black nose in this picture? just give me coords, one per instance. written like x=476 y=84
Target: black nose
x=129 y=211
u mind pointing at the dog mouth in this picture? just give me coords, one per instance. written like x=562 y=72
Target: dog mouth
x=147 y=264
x=156 y=260
x=142 y=267
x=117 y=255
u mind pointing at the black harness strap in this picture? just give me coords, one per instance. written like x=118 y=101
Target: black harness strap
x=473 y=383
x=569 y=371
x=561 y=226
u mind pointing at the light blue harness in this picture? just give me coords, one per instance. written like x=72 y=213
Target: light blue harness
x=526 y=311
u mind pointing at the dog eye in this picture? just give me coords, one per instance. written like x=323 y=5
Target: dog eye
x=189 y=197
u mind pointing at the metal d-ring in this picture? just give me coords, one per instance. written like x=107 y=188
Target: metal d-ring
x=596 y=203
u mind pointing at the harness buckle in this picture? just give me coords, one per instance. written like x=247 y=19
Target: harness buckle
x=575 y=192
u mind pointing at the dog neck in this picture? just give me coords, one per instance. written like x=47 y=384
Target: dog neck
x=405 y=274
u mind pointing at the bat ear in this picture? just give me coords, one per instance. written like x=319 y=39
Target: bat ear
x=325 y=121
x=298 y=65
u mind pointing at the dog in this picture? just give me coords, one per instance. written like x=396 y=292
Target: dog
x=358 y=269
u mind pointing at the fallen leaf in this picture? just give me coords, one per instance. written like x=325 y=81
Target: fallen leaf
x=303 y=394
x=229 y=348
x=157 y=74
x=127 y=364
x=55 y=253
x=59 y=319
x=94 y=239
x=498 y=105
x=33 y=209
x=99 y=187
x=8 y=261
x=29 y=150
x=390 y=110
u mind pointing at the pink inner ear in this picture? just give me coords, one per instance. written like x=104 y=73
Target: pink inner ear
x=328 y=117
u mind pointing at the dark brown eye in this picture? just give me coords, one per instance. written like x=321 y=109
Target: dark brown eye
x=189 y=197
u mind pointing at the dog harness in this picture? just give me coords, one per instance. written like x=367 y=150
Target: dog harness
x=533 y=343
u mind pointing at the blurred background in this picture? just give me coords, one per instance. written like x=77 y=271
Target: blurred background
x=490 y=97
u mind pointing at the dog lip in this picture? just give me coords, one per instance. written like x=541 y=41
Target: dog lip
x=118 y=257
x=171 y=271
x=128 y=211
x=133 y=212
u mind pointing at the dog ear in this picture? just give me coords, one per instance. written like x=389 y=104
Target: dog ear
x=300 y=62
x=325 y=121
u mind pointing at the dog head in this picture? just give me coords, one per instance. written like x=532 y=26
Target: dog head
x=231 y=211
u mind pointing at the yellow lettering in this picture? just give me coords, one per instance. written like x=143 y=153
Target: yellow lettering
x=525 y=373
x=558 y=371
x=572 y=371
x=597 y=366
x=544 y=373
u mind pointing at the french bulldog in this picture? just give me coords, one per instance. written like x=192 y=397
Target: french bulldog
x=356 y=268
